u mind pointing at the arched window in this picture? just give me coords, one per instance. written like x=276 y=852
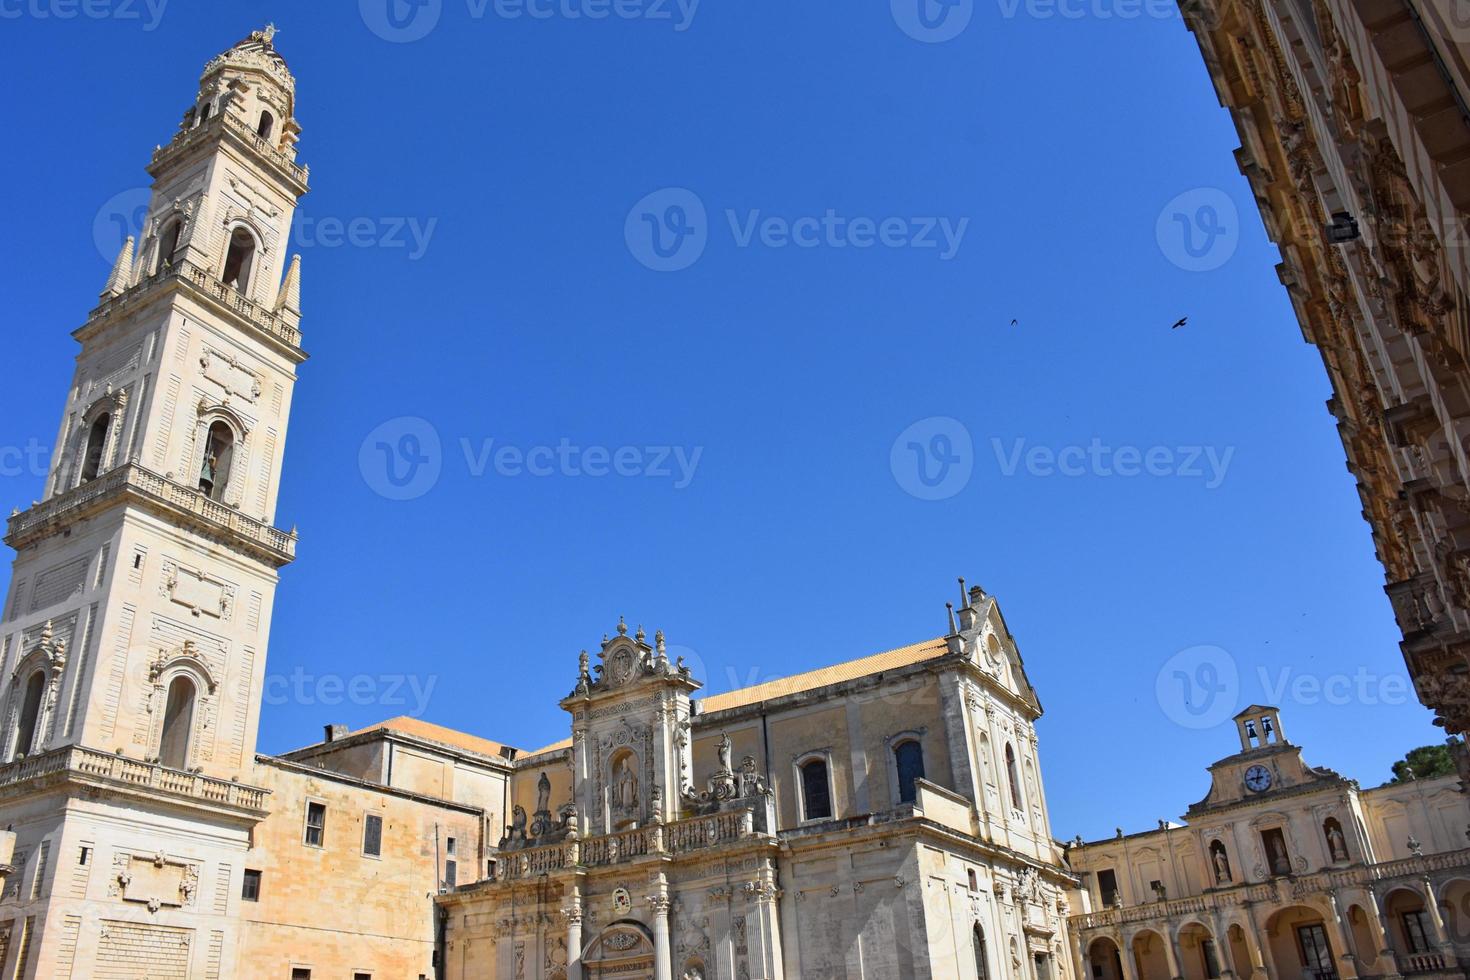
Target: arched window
x=816 y=793
x=239 y=259
x=30 y=713
x=267 y=125
x=168 y=245
x=178 y=719
x=214 y=468
x=909 y=757
x=1013 y=778
x=204 y=114
x=978 y=939
x=96 y=445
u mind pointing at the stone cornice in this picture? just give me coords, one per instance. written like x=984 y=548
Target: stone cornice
x=331 y=775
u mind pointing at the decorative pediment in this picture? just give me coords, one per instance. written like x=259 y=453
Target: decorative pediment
x=187 y=657
x=48 y=654
x=625 y=660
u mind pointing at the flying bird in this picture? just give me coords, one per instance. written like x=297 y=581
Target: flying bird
x=1014 y=322
x=1182 y=321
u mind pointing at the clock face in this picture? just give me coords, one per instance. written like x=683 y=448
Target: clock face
x=1258 y=779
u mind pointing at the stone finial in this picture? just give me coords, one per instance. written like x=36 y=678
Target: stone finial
x=122 y=271
x=658 y=640
x=964 y=596
x=952 y=628
x=640 y=635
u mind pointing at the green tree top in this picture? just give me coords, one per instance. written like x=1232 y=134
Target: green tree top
x=1425 y=762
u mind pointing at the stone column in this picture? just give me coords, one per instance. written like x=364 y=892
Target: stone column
x=1125 y=956
x=1253 y=946
x=1171 y=951
x=663 y=965
x=763 y=931
x=1348 y=961
x=1436 y=920
x=573 y=914
x=1220 y=935
x=1388 y=965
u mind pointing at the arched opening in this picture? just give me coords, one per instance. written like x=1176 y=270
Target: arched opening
x=1220 y=863
x=214 y=468
x=908 y=756
x=1149 y=958
x=30 y=714
x=1454 y=905
x=267 y=125
x=816 y=793
x=96 y=445
x=1299 y=945
x=1336 y=843
x=239 y=259
x=178 y=720
x=168 y=245
x=204 y=114
x=1013 y=779
x=1199 y=958
x=977 y=941
x=1410 y=931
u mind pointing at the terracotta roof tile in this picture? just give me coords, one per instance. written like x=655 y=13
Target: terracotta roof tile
x=436 y=733
x=851 y=670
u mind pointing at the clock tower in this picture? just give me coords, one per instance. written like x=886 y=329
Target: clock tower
x=133 y=644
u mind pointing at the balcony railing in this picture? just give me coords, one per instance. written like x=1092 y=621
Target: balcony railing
x=202 y=281
x=88 y=763
x=132 y=478
x=680 y=837
x=242 y=131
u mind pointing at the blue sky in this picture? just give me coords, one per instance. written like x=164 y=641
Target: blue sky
x=716 y=422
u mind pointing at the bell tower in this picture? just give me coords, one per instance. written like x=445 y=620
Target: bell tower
x=133 y=640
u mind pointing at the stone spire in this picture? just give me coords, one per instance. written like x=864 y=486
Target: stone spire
x=122 y=271
x=290 y=295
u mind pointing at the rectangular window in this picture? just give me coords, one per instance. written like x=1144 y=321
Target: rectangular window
x=250 y=888
x=316 y=824
x=372 y=835
x=1415 y=932
x=1316 y=954
x=85 y=856
x=300 y=973
x=451 y=846
x=1107 y=887
x=451 y=874
x=362 y=976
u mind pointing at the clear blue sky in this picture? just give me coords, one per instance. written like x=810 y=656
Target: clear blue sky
x=526 y=312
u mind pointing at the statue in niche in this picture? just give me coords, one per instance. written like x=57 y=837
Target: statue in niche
x=1222 y=868
x=543 y=794
x=625 y=785
x=726 y=752
x=1336 y=842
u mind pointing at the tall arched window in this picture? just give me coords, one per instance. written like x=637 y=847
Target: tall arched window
x=96 y=445
x=204 y=114
x=178 y=719
x=30 y=713
x=816 y=794
x=978 y=939
x=1013 y=778
x=267 y=125
x=909 y=757
x=214 y=468
x=168 y=245
x=239 y=259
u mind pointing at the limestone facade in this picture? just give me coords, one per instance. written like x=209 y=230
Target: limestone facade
x=1282 y=870
x=1355 y=138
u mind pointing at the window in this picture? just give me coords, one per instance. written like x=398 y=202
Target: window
x=96 y=445
x=451 y=846
x=1013 y=779
x=85 y=857
x=168 y=245
x=974 y=885
x=214 y=468
x=239 y=259
x=977 y=939
x=816 y=794
x=909 y=757
x=204 y=118
x=1043 y=966
x=1211 y=959
x=178 y=719
x=316 y=824
x=1414 y=931
x=300 y=973
x=359 y=975
x=1107 y=887
x=267 y=125
x=250 y=889
x=30 y=713
x=372 y=835
x=1316 y=954
x=1276 y=856
x=451 y=874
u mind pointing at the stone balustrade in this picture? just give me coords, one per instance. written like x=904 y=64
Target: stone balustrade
x=241 y=130
x=138 y=481
x=206 y=283
x=119 y=770
x=679 y=837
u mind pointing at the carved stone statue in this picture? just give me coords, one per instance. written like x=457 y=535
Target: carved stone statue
x=1337 y=843
x=625 y=786
x=726 y=752
x=1222 y=868
x=543 y=794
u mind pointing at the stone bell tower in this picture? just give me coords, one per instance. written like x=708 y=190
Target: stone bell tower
x=631 y=760
x=133 y=644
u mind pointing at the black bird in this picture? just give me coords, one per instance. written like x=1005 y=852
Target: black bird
x=1182 y=321
x=1013 y=323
